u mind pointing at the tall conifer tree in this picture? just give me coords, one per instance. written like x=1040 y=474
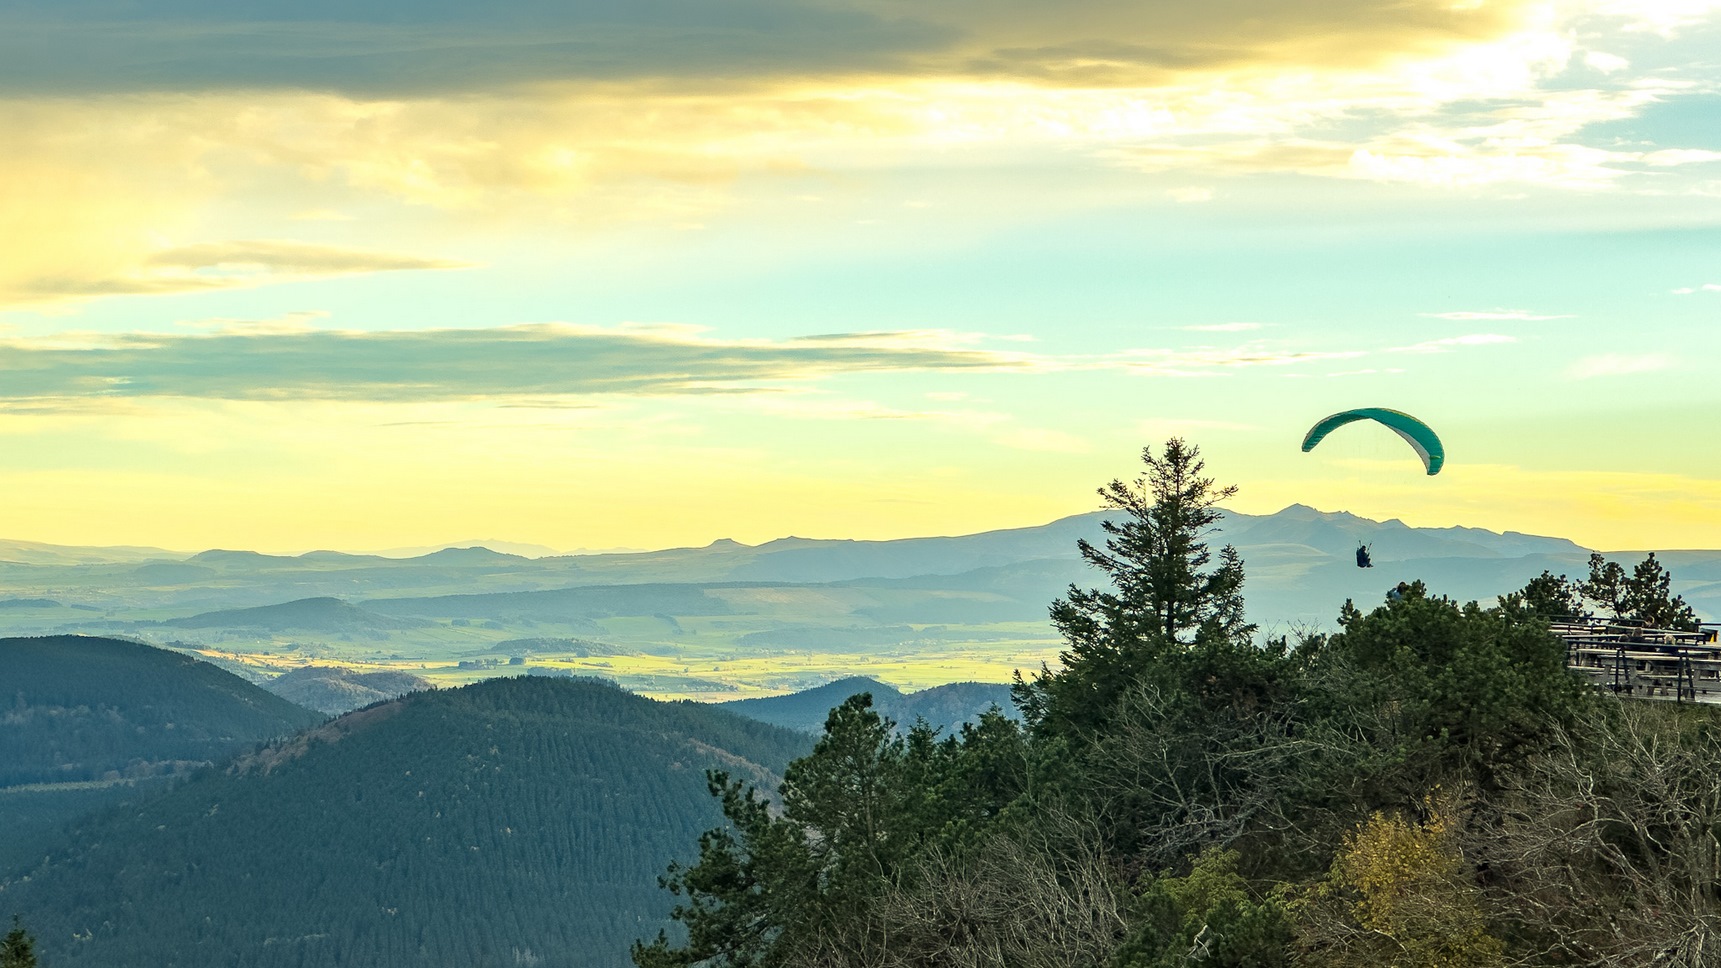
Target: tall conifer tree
x=1167 y=594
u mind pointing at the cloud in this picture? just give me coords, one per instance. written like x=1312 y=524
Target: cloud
x=1213 y=361
x=1453 y=342
x=379 y=48
x=1605 y=62
x=222 y=265
x=1208 y=361
x=1620 y=364
x=547 y=360
x=1706 y=287
x=551 y=364
x=287 y=258
x=122 y=123
x=1664 y=17
x=1502 y=315
x=1668 y=157
x=387 y=48
x=298 y=321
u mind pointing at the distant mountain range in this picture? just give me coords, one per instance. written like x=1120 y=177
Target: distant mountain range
x=787 y=594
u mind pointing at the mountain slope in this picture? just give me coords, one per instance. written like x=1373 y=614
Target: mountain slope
x=516 y=821
x=77 y=708
x=85 y=722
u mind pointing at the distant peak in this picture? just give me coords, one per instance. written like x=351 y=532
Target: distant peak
x=725 y=544
x=858 y=681
x=217 y=554
x=469 y=554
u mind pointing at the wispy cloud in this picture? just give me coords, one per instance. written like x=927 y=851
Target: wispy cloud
x=1501 y=315
x=298 y=321
x=1620 y=364
x=1706 y=287
x=1454 y=342
x=1207 y=361
x=369 y=47
x=1214 y=361
x=290 y=358
x=222 y=265
x=513 y=362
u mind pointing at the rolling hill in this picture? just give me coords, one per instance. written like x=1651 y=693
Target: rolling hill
x=307 y=614
x=334 y=690
x=947 y=707
x=81 y=708
x=83 y=721
x=517 y=821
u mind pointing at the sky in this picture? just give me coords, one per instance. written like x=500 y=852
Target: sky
x=591 y=274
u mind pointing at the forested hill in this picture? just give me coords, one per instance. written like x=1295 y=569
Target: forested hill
x=335 y=690
x=309 y=614
x=77 y=708
x=947 y=707
x=517 y=821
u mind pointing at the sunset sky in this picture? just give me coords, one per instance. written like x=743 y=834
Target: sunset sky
x=588 y=274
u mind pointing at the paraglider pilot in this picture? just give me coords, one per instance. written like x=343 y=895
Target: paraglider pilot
x=1362 y=558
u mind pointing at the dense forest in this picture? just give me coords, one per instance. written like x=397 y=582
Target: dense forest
x=1426 y=787
x=86 y=722
x=513 y=822
x=80 y=708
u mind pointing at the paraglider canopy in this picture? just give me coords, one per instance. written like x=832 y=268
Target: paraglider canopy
x=1417 y=434
x=1362 y=557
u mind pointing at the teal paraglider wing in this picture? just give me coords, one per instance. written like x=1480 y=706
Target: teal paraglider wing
x=1415 y=433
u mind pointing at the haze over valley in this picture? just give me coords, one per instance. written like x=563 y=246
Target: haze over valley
x=722 y=622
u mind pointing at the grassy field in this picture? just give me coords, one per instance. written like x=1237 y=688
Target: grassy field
x=701 y=660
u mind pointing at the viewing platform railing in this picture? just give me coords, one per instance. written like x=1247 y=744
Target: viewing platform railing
x=1632 y=659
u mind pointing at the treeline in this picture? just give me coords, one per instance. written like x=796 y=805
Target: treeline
x=1428 y=787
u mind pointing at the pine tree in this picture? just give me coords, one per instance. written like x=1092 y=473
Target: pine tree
x=1547 y=596
x=1650 y=599
x=17 y=949
x=1645 y=595
x=1167 y=595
